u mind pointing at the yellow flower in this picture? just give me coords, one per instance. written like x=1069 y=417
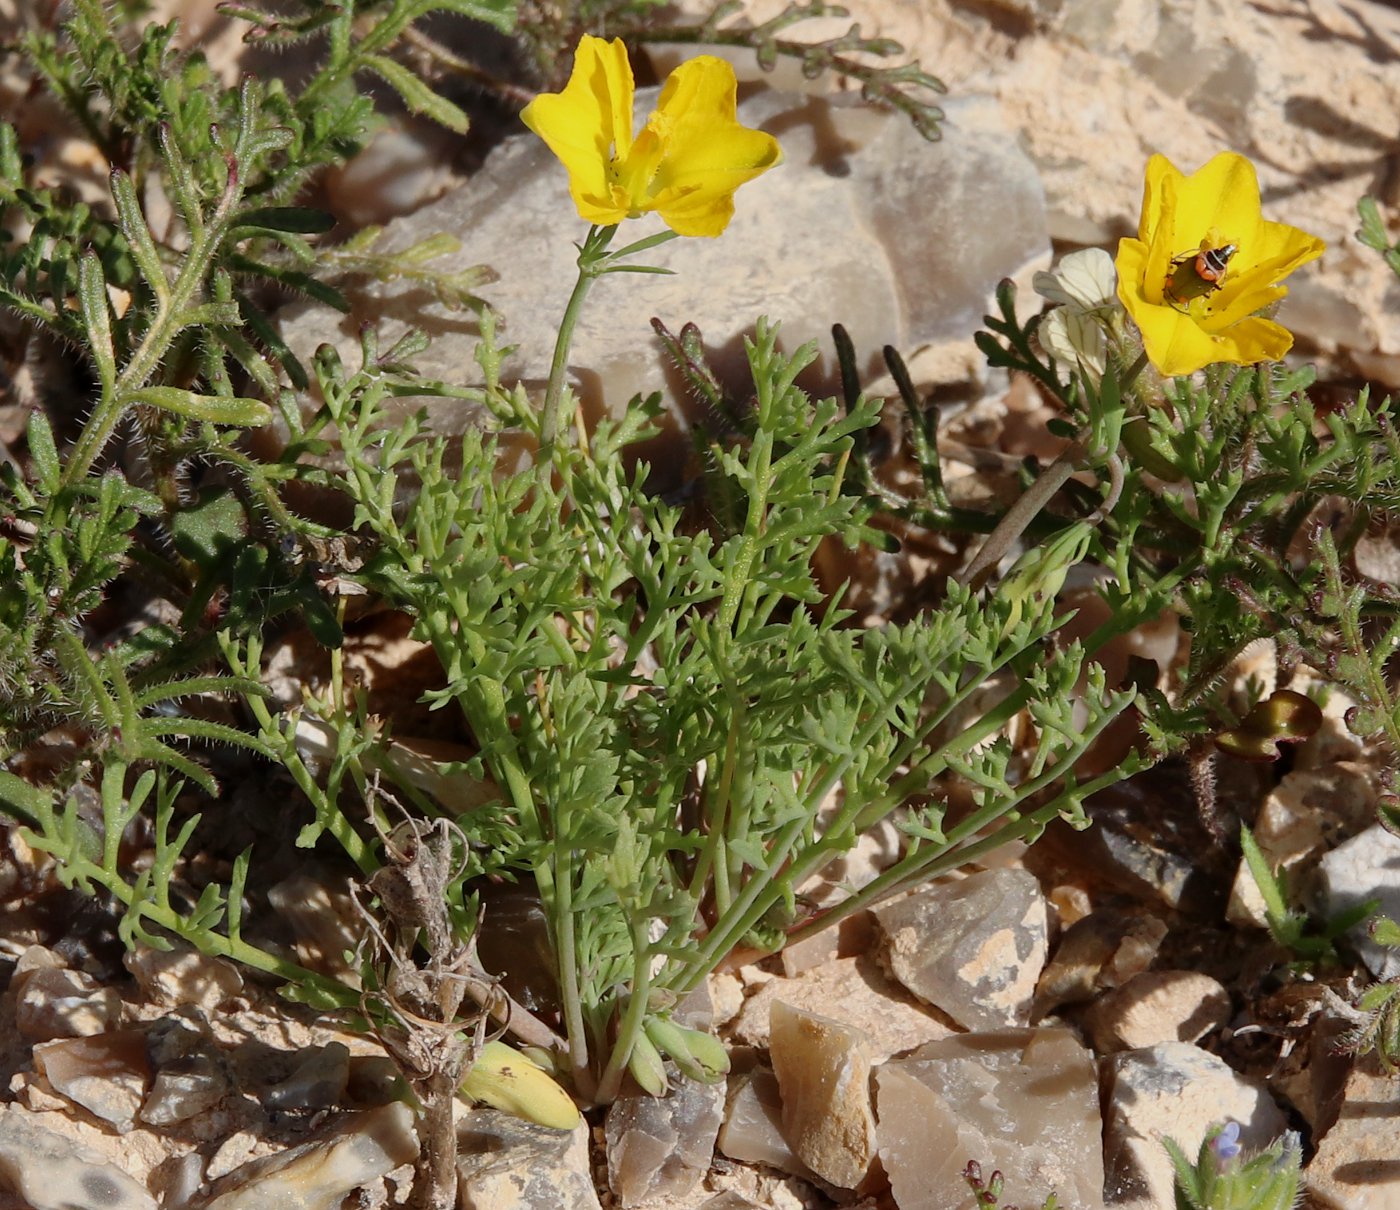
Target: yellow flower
x=1204 y=263
x=685 y=165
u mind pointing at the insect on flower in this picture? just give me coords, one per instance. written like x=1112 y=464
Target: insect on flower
x=1197 y=274
x=1192 y=230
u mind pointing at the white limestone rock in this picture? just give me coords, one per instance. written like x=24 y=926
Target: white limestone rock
x=823 y=1070
x=1023 y=1101
x=865 y=223
x=753 y=1123
x=106 y=1073
x=1178 y=1091
x=973 y=947
x=54 y=1002
x=855 y=991
x=53 y=1172
x=1365 y=867
x=504 y=1163
x=1101 y=950
x=184 y=976
x=190 y=1075
x=354 y=1150
x=1157 y=1006
x=1354 y=1167
x=1308 y=812
x=662 y=1147
x=317 y=1082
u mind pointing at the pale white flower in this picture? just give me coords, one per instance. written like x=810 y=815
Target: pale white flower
x=1077 y=332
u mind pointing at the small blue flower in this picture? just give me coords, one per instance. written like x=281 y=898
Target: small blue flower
x=1226 y=1144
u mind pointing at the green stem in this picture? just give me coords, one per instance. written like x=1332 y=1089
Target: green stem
x=1019 y=516
x=920 y=868
x=591 y=259
x=633 y=1019
x=736 y=579
x=171 y=318
x=566 y=950
x=330 y=992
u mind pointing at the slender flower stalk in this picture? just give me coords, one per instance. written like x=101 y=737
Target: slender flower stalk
x=685 y=166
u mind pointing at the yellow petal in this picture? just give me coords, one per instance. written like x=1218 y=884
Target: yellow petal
x=589 y=122
x=709 y=154
x=1175 y=343
x=687 y=163
x=1131 y=263
x=1256 y=339
x=1161 y=247
x=1238 y=300
x=1159 y=171
x=1280 y=249
x=1220 y=201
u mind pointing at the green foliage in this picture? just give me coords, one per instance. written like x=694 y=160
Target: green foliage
x=1221 y=1179
x=1291 y=928
x=178 y=352
x=1223 y=482
x=988 y=1192
x=673 y=727
x=1373 y=234
x=1352 y=632
x=905 y=87
x=680 y=733
x=1379 y=1004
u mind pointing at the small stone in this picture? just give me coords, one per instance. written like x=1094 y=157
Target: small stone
x=1365 y=867
x=190 y=1075
x=973 y=947
x=323 y=920
x=53 y=1172
x=823 y=1070
x=726 y=995
x=1102 y=950
x=232 y=1152
x=753 y=1123
x=106 y=1073
x=1021 y=1101
x=1173 y=1091
x=1158 y=1006
x=1149 y=842
x=54 y=1002
x=662 y=1146
x=505 y=1163
x=178 y=1180
x=1310 y=811
x=810 y=952
x=317 y=1082
x=1355 y=1168
x=728 y=1200
x=855 y=991
x=184 y=977
x=354 y=1150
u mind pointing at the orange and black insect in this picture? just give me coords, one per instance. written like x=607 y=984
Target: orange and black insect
x=1197 y=274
